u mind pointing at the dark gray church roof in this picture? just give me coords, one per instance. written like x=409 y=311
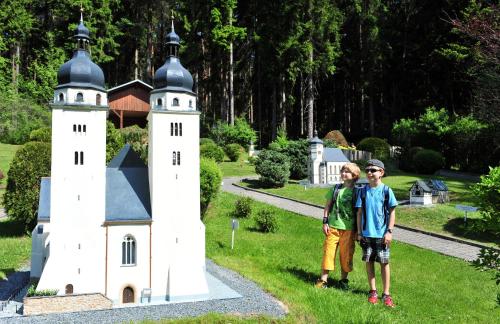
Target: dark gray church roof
x=80 y=71
x=423 y=185
x=127 y=190
x=334 y=155
x=44 y=201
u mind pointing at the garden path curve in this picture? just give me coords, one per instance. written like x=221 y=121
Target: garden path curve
x=441 y=245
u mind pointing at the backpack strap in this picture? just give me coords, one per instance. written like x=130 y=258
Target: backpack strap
x=386 y=205
x=363 y=206
x=336 y=190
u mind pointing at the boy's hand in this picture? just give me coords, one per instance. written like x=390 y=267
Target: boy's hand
x=387 y=239
x=325 y=229
x=359 y=237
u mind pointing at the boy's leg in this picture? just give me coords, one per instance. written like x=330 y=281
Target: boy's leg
x=346 y=247
x=370 y=271
x=329 y=252
x=386 y=277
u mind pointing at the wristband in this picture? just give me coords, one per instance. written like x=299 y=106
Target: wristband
x=325 y=220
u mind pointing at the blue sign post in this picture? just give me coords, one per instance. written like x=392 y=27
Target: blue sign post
x=466 y=209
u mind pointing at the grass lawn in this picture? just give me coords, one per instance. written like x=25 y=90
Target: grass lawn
x=427 y=287
x=237 y=169
x=15 y=247
x=441 y=218
x=7 y=152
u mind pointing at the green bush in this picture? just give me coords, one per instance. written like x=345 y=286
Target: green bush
x=114 y=141
x=273 y=168
x=205 y=140
x=137 y=138
x=233 y=151
x=297 y=153
x=428 y=161
x=487 y=197
x=210 y=182
x=337 y=137
x=379 y=147
x=1 y=176
x=30 y=164
x=241 y=133
x=489 y=258
x=266 y=221
x=243 y=207
x=212 y=151
x=32 y=292
x=407 y=156
x=330 y=143
x=41 y=135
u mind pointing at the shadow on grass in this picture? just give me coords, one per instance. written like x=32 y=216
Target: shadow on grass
x=253 y=183
x=457 y=227
x=11 y=228
x=311 y=277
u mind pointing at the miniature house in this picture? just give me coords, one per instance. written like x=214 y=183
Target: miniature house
x=428 y=192
x=440 y=192
x=324 y=164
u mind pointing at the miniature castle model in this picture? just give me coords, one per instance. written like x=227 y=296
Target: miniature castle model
x=130 y=232
x=324 y=164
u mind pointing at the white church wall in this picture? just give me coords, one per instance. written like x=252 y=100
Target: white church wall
x=135 y=276
x=185 y=101
x=39 y=249
x=70 y=97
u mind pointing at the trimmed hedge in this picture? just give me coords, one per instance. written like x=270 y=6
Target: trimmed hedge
x=233 y=151
x=43 y=134
x=243 y=207
x=210 y=181
x=379 y=147
x=212 y=151
x=273 y=168
x=428 y=161
x=30 y=164
x=266 y=221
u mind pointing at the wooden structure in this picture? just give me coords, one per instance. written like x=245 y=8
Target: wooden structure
x=129 y=103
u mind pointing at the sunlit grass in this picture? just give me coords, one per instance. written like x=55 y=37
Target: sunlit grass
x=15 y=247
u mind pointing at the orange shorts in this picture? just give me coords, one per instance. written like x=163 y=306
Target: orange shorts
x=338 y=240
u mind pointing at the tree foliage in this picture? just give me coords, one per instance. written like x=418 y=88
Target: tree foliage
x=487 y=196
x=210 y=181
x=273 y=168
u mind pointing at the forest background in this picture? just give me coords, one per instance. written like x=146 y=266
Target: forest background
x=359 y=66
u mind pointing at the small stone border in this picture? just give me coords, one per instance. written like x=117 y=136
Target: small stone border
x=444 y=237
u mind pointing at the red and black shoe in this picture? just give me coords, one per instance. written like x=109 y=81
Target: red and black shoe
x=387 y=299
x=373 y=297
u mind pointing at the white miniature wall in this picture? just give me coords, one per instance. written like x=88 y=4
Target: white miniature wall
x=186 y=102
x=425 y=199
x=39 y=249
x=70 y=97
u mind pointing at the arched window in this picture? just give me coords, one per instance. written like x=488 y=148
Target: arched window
x=74 y=128
x=171 y=129
x=79 y=128
x=61 y=97
x=174 y=158
x=69 y=289
x=128 y=295
x=190 y=103
x=84 y=128
x=79 y=97
x=98 y=99
x=178 y=158
x=176 y=129
x=180 y=129
x=159 y=102
x=128 y=250
x=81 y=158
x=175 y=102
x=76 y=158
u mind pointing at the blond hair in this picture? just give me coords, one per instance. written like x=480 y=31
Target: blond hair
x=353 y=168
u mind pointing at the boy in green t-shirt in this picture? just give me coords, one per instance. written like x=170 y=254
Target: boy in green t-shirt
x=338 y=226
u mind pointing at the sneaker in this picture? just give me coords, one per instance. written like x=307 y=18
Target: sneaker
x=320 y=284
x=344 y=284
x=373 y=297
x=388 y=300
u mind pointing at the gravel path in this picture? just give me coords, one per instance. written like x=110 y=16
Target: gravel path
x=445 y=246
x=2 y=213
x=254 y=301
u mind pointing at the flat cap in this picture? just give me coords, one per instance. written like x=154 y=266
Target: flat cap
x=376 y=163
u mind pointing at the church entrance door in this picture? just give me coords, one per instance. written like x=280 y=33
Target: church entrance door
x=128 y=295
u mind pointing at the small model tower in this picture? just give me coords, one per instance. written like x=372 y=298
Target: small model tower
x=315 y=159
x=178 y=268
x=75 y=263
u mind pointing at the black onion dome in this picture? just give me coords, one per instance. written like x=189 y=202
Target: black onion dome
x=80 y=71
x=173 y=38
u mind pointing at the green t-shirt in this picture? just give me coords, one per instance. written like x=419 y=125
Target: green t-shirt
x=341 y=216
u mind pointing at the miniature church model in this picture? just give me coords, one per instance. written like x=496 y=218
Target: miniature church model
x=129 y=231
x=324 y=164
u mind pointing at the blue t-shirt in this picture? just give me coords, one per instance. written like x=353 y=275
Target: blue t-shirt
x=374 y=201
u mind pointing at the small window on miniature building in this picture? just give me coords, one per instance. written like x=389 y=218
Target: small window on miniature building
x=84 y=128
x=159 y=102
x=190 y=103
x=79 y=128
x=178 y=158
x=69 y=289
x=74 y=128
x=79 y=97
x=174 y=158
x=61 y=97
x=128 y=250
x=180 y=129
x=98 y=99
x=171 y=129
x=176 y=129
x=81 y=158
x=76 y=158
x=175 y=102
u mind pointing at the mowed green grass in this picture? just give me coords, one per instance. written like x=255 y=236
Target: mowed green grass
x=239 y=168
x=427 y=287
x=7 y=153
x=15 y=247
x=440 y=218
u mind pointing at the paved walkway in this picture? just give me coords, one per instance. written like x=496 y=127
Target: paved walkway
x=444 y=246
x=2 y=213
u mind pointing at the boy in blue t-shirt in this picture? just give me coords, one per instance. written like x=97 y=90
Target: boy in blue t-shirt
x=375 y=220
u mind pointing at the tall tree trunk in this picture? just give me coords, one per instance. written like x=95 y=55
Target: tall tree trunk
x=273 y=117
x=231 y=89
x=282 y=103
x=310 y=99
x=136 y=64
x=16 y=57
x=301 y=105
x=259 y=97
x=361 y=78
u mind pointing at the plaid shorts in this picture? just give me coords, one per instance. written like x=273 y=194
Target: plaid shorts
x=375 y=250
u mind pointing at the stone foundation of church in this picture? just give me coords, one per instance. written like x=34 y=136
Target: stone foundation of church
x=65 y=304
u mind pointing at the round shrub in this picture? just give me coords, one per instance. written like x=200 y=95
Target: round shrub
x=487 y=197
x=233 y=151
x=30 y=164
x=41 y=135
x=297 y=153
x=337 y=137
x=428 y=161
x=273 y=168
x=210 y=182
x=212 y=151
x=205 y=140
x=266 y=221
x=379 y=147
x=243 y=207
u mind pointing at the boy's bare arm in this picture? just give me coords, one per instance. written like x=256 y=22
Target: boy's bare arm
x=392 y=221
x=326 y=210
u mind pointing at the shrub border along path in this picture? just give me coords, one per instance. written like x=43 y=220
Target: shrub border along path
x=439 y=243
